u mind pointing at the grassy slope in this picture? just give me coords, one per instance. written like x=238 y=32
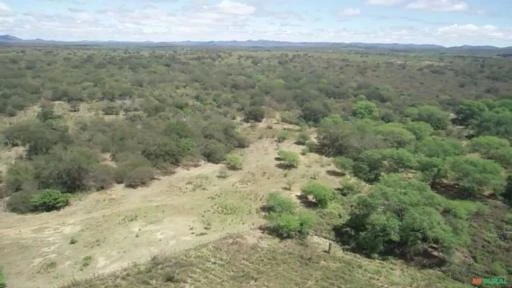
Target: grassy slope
x=261 y=261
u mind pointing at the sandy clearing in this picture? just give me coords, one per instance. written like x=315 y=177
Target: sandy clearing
x=120 y=226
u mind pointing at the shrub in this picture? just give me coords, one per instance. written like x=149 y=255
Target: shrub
x=19 y=175
x=233 y=162
x=395 y=135
x=282 y=136
x=343 y=163
x=49 y=200
x=322 y=194
x=289 y=159
x=277 y=203
x=502 y=156
x=20 y=202
x=254 y=113
x=291 y=225
x=139 y=176
x=214 y=151
x=302 y=138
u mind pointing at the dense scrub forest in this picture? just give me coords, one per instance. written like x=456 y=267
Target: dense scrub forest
x=421 y=143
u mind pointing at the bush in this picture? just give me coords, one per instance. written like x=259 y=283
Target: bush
x=20 y=202
x=277 y=203
x=254 y=113
x=372 y=163
x=322 y=194
x=19 y=175
x=343 y=163
x=139 y=176
x=302 y=138
x=291 y=225
x=49 y=200
x=289 y=159
x=438 y=147
x=214 y=152
x=233 y=162
x=282 y=136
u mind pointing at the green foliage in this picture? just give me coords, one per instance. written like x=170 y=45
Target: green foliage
x=322 y=194
x=254 y=113
x=47 y=112
x=395 y=135
x=291 y=225
x=488 y=145
x=289 y=159
x=474 y=175
x=434 y=116
x=365 y=110
x=278 y=203
x=421 y=130
x=440 y=147
x=233 y=162
x=470 y=112
x=49 y=200
x=502 y=156
x=343 y=163
x=403 y=216
x=507 y=193
x=496 y=123
x=373 y=163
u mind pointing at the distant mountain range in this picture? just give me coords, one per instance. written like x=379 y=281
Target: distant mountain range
x=267 y=44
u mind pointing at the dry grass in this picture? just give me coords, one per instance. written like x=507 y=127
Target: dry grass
x=260 y=261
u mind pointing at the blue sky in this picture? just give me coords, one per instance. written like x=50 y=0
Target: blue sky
x=445 y=22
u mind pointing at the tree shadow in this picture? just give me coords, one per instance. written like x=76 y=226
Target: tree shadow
x=336 y=173
x=306 y=201
x=284 y=166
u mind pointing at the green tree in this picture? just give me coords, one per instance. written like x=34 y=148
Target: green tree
x=421 y=130
x=404 y=215
x=343 y=163
x=496 y=123
x=434 y=116
x=291 y=225
x=469 y=112
x=371 y=164
x=395 y=135
x=440 y=147
x=487 y=145
x=475 y=175
x=365 y=110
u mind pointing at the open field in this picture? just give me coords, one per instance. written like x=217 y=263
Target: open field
x=120 y=226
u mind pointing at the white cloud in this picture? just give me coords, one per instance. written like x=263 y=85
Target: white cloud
x=385 y=2
x=4 y=9
x=349 y=12
x=474 y=33
x=439 y=5
x=235 y=8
